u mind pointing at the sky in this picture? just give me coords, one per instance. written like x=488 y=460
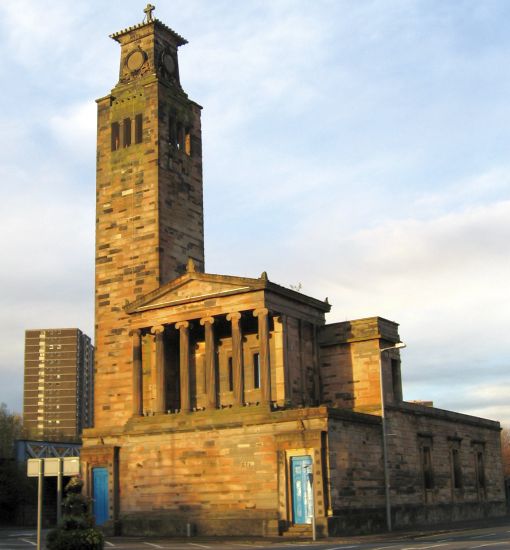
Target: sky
x=357 y=148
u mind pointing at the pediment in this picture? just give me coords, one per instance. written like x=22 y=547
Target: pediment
x=193 y=287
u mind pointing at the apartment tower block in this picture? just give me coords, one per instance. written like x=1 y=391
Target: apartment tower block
x=59 y=383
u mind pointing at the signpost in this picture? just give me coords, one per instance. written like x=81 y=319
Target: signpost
x=51 y=467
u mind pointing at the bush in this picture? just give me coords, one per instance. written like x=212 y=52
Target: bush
x=77 y=539
x=76 y=532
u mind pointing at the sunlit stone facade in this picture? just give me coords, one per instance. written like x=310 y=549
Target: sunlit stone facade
x=227 y=403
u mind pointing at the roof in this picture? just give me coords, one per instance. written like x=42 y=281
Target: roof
x=185 y=289
x=179 y=40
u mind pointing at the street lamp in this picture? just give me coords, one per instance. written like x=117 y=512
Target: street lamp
x=398 y=345
x=311 y=488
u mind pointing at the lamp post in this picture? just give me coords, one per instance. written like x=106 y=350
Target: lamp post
x=311 y=488
x=398 y=345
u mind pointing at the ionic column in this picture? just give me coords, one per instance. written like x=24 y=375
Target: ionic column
x=160 y=405
x=210 y=361
x=237 y=356
x=183 y=328
x=137 y=372
x=265 y=372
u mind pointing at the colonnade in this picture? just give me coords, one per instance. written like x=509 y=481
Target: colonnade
x=234 y=318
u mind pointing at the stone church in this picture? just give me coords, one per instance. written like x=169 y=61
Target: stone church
x=225 y=404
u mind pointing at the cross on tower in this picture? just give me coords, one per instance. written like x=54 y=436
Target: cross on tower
x=148 y=13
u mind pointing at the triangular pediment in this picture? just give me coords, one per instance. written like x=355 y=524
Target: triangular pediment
x=193 y=287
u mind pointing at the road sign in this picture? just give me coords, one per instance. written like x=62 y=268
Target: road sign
x=71 y=465
x=51 y=467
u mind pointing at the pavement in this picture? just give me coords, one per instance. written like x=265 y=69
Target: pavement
x=477 y=534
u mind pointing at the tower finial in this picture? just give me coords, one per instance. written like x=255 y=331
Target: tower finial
x=148 y=13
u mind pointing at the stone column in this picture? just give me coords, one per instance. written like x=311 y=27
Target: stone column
x=137 y=373
x=265 y=372
x=281 y=391
x=160 y=404
x=210 y=362
x=183 y=328
x=237 y=356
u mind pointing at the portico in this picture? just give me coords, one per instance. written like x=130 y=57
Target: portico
x=207 y=342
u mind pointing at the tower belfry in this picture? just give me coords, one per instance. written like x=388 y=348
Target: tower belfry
x=149 y=194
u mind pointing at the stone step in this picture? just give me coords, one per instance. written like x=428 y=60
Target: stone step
x=298 y=531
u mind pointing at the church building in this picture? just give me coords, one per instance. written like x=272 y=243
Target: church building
x=227 y=405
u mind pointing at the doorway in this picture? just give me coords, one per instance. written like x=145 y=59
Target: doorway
x=302 y=490
x=100 y=493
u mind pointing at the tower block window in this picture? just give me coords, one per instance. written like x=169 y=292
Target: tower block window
x=126 y=132
x=115 y=136
x=138 y=129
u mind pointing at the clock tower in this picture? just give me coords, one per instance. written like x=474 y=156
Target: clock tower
x=149 y=210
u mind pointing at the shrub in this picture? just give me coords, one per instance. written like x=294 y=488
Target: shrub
x=76 y=531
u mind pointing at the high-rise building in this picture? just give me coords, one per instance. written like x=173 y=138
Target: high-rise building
x=59 y=383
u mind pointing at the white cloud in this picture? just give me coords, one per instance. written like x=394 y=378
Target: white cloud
x=75 y=128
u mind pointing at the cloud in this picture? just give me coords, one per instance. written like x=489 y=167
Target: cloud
x=75 y=129
x=485 y=399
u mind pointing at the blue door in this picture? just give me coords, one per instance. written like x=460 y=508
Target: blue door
x=100 y=488
x=302 y=493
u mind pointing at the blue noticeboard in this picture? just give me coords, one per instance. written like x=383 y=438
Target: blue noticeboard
x=302 y=497
x=100 y=488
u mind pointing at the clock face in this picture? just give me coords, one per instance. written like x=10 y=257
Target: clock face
x=135 y=60
x=169 y=63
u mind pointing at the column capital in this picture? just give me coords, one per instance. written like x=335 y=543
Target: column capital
x=261 y=312
x=135 y=332
x=182 y=325
x=234 y=316
x=157 y=329
x=207 y=320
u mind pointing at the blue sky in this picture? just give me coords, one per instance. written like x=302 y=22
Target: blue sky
x=358 y=148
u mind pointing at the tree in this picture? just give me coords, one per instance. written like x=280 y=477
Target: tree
x=10 y=429
x=505 y=449
x=15 y=488
x=76 y=531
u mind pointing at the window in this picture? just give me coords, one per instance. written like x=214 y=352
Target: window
x=115 y=136
x=187 y=142
x=256 y=370
x=480 y=470
x=426 y=460
x=172 y=132
x=180 y=136
x=138 y=129
x=230 y=372
x=396 y=380
x=456 y=469
x=126 y=132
